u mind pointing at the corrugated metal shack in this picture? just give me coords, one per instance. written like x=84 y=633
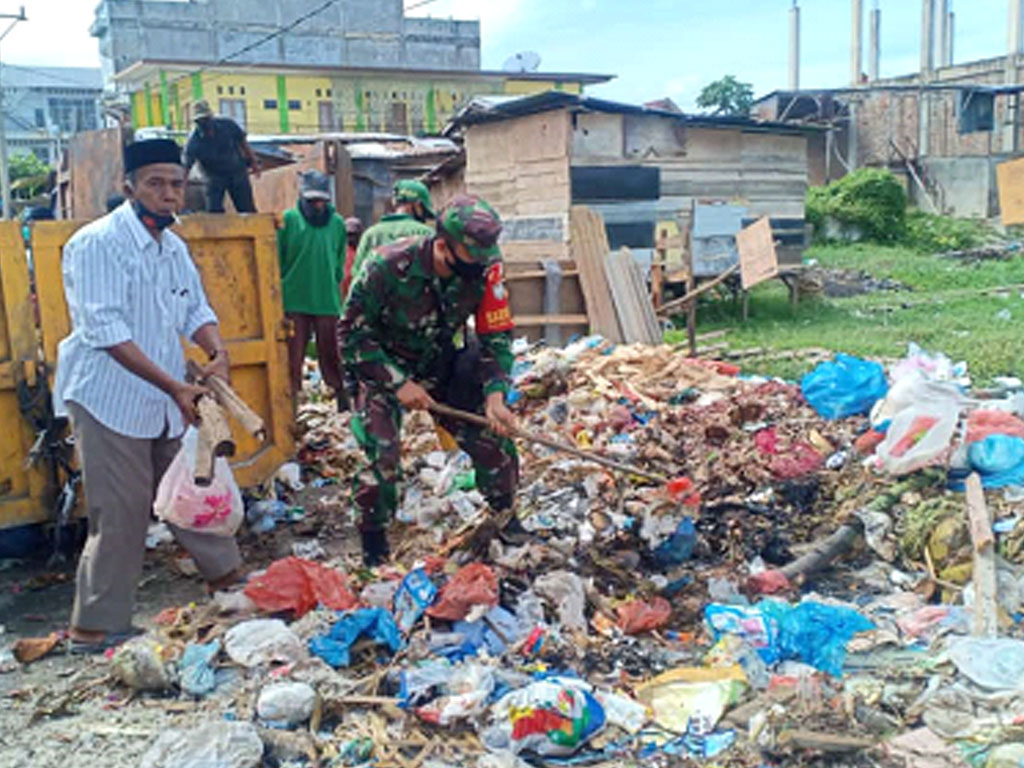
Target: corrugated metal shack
x=641 y=168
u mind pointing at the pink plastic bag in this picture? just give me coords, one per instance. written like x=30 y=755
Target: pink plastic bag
x=216 y=509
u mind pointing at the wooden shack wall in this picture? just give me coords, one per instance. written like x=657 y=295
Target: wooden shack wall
x=521 y=166
x=767 y=172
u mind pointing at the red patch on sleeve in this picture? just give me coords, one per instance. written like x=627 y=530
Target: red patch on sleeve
x=494 y=314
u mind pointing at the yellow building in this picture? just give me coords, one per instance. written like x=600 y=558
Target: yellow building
x=270 y=100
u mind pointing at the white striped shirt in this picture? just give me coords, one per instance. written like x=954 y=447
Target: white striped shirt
x=122 y=285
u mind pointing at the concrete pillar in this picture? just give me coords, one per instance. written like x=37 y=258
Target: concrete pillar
x=927 y=37
x=852 y=149
x=856 y=41
x=1014 y=27
x=1011 y=122
x=943 y=36
x=794 y=47
x=875 y=44
x=951 y=32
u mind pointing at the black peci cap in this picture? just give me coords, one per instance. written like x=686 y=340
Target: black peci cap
x=150 y=152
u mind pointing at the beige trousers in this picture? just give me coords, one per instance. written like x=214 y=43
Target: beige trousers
x=120 y=476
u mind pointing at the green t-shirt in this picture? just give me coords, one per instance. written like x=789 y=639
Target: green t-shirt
x=312 y=263
x=391 y=228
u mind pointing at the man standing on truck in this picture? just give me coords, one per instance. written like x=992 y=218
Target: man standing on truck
x=221 y=148
x=398 y=340
x=311 y=249
x=132 y=292
x=411 y=200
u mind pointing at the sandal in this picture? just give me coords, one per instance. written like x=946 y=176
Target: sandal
x=110 y=641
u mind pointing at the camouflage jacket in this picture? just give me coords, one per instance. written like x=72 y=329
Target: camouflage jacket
x=400 y=316
x=391 y=228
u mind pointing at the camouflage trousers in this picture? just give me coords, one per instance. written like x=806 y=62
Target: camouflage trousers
x=377 y=426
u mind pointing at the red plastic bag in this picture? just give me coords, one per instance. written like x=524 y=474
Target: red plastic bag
x=474 y=584
x=298 y=585
x=796 y=461
x=636 y=616
x=982 y=424
x=768 y=583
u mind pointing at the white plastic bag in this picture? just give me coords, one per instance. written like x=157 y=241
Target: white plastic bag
x=216 y=509
x=918 y=437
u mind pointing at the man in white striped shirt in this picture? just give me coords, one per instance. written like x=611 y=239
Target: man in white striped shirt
x=133 y=292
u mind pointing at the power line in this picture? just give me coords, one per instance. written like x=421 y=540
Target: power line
x=420 y=4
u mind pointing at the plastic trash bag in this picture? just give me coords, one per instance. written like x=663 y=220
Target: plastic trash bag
x=550 y=718
x=197 y=675
x=217 y=744
x=298 y=585
x=918 y=437
x=464 y=695
x=637 y=616
x=678 y=696
x=845 y=387
x=812 y=632
x=415 y=594
x=996 y=663
x=999 y=459
x=263 y=641
x=216 y=509
x=286 y=704
x=335 y=647
x=981 y=424
x=474 y=584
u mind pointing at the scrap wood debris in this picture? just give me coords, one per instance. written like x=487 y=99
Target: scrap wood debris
x=802 y=592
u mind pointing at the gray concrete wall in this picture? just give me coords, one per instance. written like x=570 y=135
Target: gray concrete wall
x=351 y=33
x=960 y=186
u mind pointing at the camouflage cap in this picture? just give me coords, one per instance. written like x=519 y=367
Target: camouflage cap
x=471 y=221
x=412 y=191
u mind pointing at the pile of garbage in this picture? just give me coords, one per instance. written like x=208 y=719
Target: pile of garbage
x=811 y=586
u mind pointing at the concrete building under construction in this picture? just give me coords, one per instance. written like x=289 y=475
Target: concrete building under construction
x=944 y=127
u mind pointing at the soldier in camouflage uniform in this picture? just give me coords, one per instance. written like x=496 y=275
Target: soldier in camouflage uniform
x=397 y=338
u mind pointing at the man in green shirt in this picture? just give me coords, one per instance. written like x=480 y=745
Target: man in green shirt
x=311 y=250
x=412 y=209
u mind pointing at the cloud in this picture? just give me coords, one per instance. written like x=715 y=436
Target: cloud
x=43 y=40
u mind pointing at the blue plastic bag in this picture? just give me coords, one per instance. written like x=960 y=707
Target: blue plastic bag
x=335 y=647
x=845 y=387
x=197 y=675
x=678 y=548
x=811 y=632
x=999 y=459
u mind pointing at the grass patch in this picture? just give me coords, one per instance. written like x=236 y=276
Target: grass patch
x=943 y=312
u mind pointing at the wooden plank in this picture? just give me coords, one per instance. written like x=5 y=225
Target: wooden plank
x=985 y=619
x=533 y=274
x=533 y=320
x=1010 y=181
x=758 y=259
x=632 y=302
x=589 y=248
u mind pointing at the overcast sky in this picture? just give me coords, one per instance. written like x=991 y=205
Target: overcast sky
x=655 y=47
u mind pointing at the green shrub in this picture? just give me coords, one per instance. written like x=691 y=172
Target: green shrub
x=869 y=199
x=929 y=233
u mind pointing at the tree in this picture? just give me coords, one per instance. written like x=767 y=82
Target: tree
x=727 y=96
x=28 y=175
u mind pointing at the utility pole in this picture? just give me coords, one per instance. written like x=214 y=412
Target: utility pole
x=5 y=176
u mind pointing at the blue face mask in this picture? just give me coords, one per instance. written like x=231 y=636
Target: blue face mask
x=151 y=220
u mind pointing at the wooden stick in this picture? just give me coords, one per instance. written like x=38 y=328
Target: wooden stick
x=682 y=301
x=214 y=440
x=985 y=621
x=229 y=400
x=480 y=421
